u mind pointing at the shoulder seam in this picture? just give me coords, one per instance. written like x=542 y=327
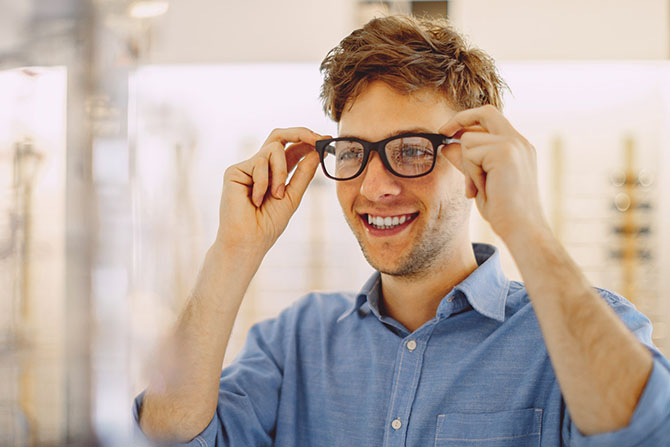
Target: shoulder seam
x=608 y=295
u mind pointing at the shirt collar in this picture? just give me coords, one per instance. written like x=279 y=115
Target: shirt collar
x=369 y=294
x=486 y=288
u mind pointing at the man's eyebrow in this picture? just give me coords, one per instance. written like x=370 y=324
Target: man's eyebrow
x=394 y=133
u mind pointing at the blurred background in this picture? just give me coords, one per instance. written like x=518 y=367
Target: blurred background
x=118 y=119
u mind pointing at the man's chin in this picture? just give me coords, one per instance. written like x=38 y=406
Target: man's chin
x=394 y=259
x=402 y=262
x=376 y=260
x=392 y=265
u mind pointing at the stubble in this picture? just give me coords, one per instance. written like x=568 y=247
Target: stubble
x=433 y=243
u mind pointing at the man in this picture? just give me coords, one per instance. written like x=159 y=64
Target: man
x=438 y=348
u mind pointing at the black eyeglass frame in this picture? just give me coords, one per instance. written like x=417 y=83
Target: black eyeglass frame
x=378 y=146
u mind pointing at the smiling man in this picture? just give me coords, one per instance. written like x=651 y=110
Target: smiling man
x=430 y=252
x=438 y=347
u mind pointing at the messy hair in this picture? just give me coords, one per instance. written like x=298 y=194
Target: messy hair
x=409 y=54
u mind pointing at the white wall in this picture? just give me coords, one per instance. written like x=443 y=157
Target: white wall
x=206 y=31
x=566 y=29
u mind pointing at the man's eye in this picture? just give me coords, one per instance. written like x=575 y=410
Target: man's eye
x=349 y=155
x=415 y=152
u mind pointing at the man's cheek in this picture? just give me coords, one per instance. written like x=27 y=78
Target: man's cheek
x=345 y=195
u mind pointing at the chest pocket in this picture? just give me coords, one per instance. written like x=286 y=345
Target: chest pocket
x=517 y=428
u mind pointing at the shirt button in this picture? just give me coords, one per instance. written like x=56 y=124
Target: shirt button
x=411 y=345
x=396 y=424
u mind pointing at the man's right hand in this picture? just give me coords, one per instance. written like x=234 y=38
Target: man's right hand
x=256 y=206
x=256 y=203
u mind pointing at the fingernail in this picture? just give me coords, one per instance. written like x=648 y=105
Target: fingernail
x=280 y=191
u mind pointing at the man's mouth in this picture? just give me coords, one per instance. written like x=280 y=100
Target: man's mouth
x=387 y=222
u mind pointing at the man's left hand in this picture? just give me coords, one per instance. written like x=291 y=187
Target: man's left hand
x=500 y=168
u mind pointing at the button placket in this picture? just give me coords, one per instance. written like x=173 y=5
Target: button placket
x=410 y=363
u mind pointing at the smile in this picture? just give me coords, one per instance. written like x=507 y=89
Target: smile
x=388 y=222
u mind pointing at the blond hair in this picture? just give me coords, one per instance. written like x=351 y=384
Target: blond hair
x=409 y=54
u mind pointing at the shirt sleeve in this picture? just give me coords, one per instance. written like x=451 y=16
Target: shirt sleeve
x=650 y=424
x=246 y=412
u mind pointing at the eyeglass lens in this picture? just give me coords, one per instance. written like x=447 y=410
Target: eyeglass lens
x=408 y=156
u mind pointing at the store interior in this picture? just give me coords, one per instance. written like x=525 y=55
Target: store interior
x=118 y=119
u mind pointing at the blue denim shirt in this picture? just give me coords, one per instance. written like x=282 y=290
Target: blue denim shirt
x=331 y=370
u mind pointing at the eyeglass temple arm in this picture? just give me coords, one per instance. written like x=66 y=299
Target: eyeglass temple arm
x=450 y=140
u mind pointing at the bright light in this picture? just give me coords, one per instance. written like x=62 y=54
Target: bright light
x=147 y=9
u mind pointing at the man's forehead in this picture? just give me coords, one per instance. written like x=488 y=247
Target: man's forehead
x=393 y=133
x=380 y=111
x=379 y=89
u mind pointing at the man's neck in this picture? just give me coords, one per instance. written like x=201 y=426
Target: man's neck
x=412 y=302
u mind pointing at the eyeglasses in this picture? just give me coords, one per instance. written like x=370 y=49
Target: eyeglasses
x=408 y=155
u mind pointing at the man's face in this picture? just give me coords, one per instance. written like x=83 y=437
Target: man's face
x=434 y=207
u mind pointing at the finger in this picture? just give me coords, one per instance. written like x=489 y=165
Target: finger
x=288 y=160
x=488 y=117
x=240 y=173
x=475 y=128
x=470 y=188
x=260 y=179
x=454 y=153
x=304 y=174
x=295 y=152
x=274 y=148
x=480 y=160
x=470 y=140
x=278 y=172
x=477 y=176
x=470 y=143
x=461 y=132
x=293 y=135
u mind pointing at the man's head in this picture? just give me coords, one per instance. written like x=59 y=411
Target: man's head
x=397 y=75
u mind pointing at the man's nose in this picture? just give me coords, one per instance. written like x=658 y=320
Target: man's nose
x=378 y=182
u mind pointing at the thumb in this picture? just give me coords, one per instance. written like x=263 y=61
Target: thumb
x=454 y=154
x=303 y=175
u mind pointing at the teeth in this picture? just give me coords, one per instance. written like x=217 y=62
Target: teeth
x=384 y=223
